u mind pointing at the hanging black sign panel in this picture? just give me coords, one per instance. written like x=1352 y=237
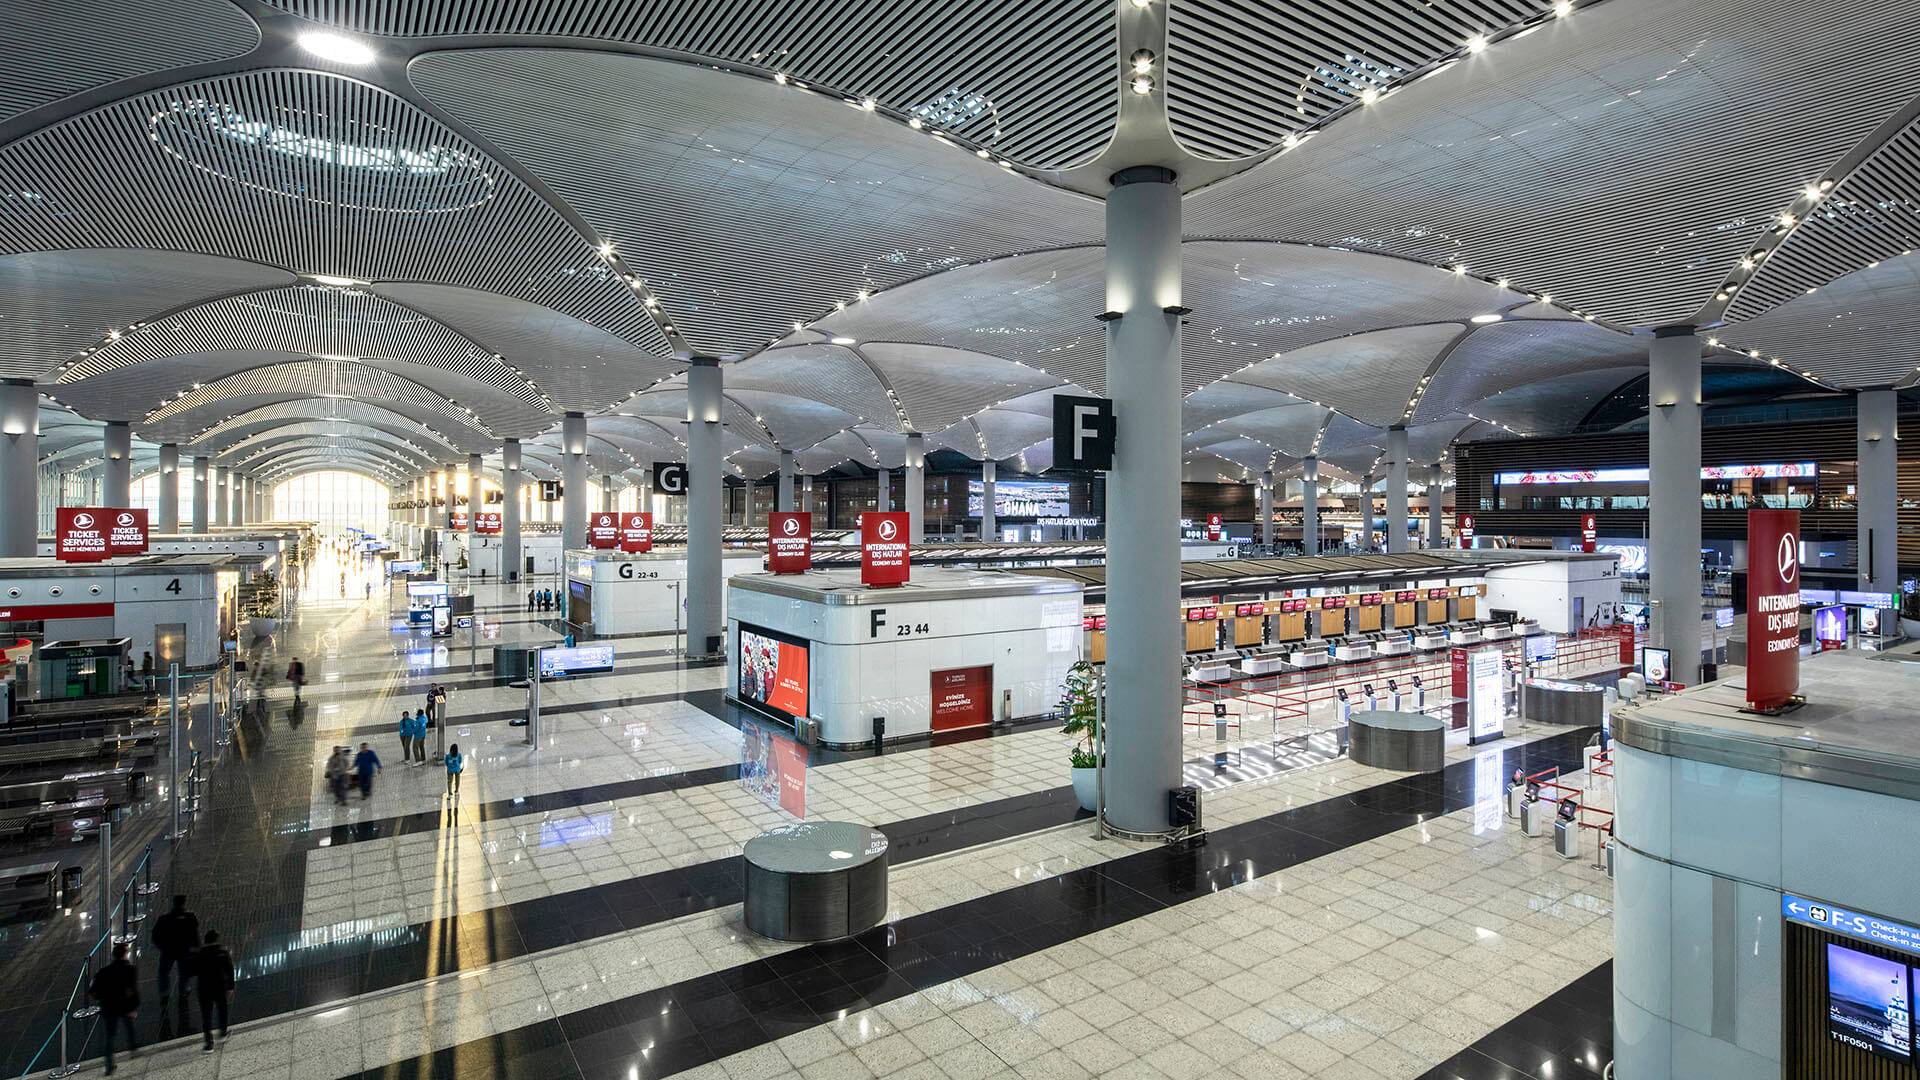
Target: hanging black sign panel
x=1082 y=434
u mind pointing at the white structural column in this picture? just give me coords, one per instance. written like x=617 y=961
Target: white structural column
x=1673 y=497
x=706 y=478
x=989 y=518
x=1366 y=512
x=260 y=500
x=609 y=493
x=118 y=440
x=806 y=494
x=238 y=515
x=1876 y=495
x=916 y=488
x=1144 y=646
x=1436 y=505
x=222 y=477
x=168 y=511
x=1266 y=508
x=783 y=495
x=202 y=493
x=1397 y=488
x=510 y=561
x=475 y=466
x=19 y=469
x=1310 y=506
x=573 y=481
x=883 y=491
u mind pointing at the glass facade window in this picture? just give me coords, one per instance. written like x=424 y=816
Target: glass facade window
x=145 y=492
x=333 y=500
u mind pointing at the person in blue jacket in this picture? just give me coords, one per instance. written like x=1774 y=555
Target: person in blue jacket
x=406 y=735
x=455 y=766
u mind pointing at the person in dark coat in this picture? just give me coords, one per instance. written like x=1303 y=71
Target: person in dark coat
x=213 y=977
x=297 y=675
x=116 y=989
x=365 y=764
x=175 y=935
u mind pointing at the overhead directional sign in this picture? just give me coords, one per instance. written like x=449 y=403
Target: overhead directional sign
x=1082 y=434
x=1838 y=920
x=669 y=478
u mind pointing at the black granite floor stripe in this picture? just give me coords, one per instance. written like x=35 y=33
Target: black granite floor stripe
x=819 y=982
x=1568 y=1034
x=706 y=701
x=416 y=684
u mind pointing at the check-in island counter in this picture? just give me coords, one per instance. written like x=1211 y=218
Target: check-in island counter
x=623 y=594
x=177 y=607
x=951 y=649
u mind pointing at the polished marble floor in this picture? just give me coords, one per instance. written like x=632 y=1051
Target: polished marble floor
x=575 y=912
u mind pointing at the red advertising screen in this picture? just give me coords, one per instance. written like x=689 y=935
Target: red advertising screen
x=80 y=534
x=1773 y=607
x=636 y=531
x=127 y=531
x=487 y=521
x=789 y=542
x=962 y=697
x=603 y=529
x=883 y=549
x=773 y=671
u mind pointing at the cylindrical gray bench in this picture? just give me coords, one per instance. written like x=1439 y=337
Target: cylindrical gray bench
x=1575 y=704
x=816 y=881
x=1403 y=741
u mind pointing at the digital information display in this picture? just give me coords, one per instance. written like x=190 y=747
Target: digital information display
x=1541 y=647
x=773 y=671
x=1656 y=664
x=579 y=660
x=1486 y=695
x=1782 y=471
x=1021 y=499
x=1869 y=1002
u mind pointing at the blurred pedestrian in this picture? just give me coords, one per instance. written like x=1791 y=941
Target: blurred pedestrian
x=116 y=989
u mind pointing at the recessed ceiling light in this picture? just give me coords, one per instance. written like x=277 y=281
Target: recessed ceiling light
x=842 y=340
x=335 y=47
x=1490 y=317
x=1476 y=43
x=1563 y=8
x=331 y=279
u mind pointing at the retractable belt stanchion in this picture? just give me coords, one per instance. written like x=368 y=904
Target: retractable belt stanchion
x=533 y=699
x=1100 y=754
x=173 y=742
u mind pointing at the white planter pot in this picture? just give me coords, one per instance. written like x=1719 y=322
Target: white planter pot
x=1085 y=787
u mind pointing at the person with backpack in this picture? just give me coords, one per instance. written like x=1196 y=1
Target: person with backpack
x=213 y=977
x=455 y=766
x=175 y=935
x=297 y=675
x=116 y=989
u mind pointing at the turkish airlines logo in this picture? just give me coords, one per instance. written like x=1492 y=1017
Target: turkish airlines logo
x=791 y=527
x=605 y=521
x=125 y=519
x=83 y=521
x=888 y=530
x=1788 y=558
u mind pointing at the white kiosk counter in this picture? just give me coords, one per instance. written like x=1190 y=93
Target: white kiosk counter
x=178 y=607
x=952 y=649
x=621 y=594
x=484 y=551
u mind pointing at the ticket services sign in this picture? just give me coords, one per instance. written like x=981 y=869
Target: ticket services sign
x=79 y=534
x=603 y=530
x=636 y=530
x=126 y=530
x=883 y=549
x=789 y=542
x=1773 y=607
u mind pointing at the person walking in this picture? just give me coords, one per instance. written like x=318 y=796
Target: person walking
x=421 y=722
x=406 y=735
x=365 y=764
x=529 y=599
x=116 y=989
x=455 y=766
x=146 y=669
x=213 y=977
x=297 y=675
x=339 y=767
x=175 y=935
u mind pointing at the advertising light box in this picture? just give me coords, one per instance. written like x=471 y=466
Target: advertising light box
x=773 y=671
x=884 y=559
x=636 y=531
x=1773 y=607
x=558 y=663
x=1869 y=1002
x=1486 y=695
x=79 y=534
x=789 y=542
x=603 y=530
x=1021 y=499
x=1781 y=471
x=1830 y=627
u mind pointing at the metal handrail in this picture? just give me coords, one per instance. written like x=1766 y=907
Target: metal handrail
x=133 y=894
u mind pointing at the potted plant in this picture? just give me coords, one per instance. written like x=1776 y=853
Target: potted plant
x=1079 y=706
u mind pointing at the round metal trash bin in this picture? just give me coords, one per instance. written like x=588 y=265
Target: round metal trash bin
x=815 y=881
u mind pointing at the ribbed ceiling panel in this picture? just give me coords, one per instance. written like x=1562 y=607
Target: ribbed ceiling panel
x=1610 y=158
x=1552 y=406
x=1873 y=214
x=334 y=413
x=1508 y=354
x=181 y=418
x=57 y=48
x=822 y=200
x=1368 y=376
x=53 y=304
x=1288 y=429
x=831 y=374
x=1861 y=331
x=1033 y=79
x=313 y=173
x=939 y=386
x=1242 y=75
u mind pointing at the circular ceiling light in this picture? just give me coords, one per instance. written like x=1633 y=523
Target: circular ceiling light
x=335 y=47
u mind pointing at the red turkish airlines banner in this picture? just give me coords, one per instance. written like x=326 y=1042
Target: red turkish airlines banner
x=1463 y=529
x=636 y=530
x=487 y=521
x=789 y=542
x=1589 y=532
x=126 y=530
x=962 y=697
x=457 y=521
x=883 y=549
x=603 y=529
x=1773 y=607
x=43 y=612
x=80 y=534
x=1213 y=526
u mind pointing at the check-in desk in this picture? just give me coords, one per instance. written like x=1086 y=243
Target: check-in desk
x=1214 y=667
x=1427 y=640
x=1265 y=661
x=1495 y=631
x=1353 y=649
x=1392 y=643
x=1462 y=634
x=1312 y=653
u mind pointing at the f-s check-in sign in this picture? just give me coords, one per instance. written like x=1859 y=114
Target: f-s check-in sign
x=1082 y=434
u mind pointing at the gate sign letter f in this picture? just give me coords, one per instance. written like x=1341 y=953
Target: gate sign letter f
x=1082 y=434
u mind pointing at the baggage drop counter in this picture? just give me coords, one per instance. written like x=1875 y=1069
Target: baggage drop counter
x=952 y=649
x=622 y=594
